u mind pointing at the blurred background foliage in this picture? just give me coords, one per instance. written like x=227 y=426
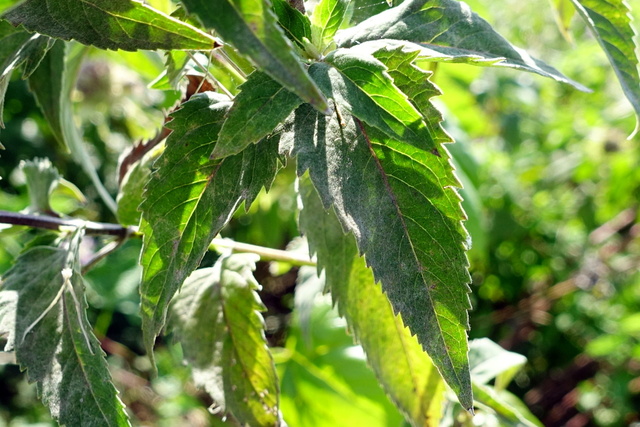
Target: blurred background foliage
x=552 y=191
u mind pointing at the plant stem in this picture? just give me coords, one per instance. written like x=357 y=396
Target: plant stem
x=266 y=254
x=54 y=223
x=107 y=229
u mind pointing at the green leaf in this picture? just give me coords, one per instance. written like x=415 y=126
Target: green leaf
x=505 y=405
x=256 y=111
x=325 y=378
x=450 y=28
x=43 y=311
x=7 y=4
x=405 y=371
x=190 y=198
x=295 y=24
x=251 y=26
x=488 y=361
x=52 y=84
x=41 y=177
x=563 y=13
x=326 y=20
x=360 y=84
x=610 y=22
x=132 y=187
x=18 y=47
x=229 y=357
x=109 y=24
x=398 y=202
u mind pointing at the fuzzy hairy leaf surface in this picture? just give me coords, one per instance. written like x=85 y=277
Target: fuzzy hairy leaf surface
x=448 y=27
x=610 y=22
x=43 y=311
x=109 y=24
x=216 y=319
x=261 y=105
x=251 y=26
x=398 y=202
x=403 y=368
x=189 y=198
x=360 y=84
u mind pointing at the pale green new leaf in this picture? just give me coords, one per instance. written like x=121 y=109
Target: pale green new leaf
x=109 y=24
x=7 y=4
x=360 y=84
x=261 y=105
x=326 y=19
x=43 y=311
x=398 y=202
x=190 y=198
x=610 y=22
x=403 y=368
x=229 y=356
x=563 y=12
x=488 y=361
x=448 y=27
x=251 y=26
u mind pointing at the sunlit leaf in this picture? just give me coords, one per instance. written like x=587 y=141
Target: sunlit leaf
x=448 y=27
x=505 y=407
x=7 y=4
x=326 y=19
x=43 y=311
x=610 y=22
x=361 y=85
x=229 y=357
x=132 y=188
x=325 y=378
x=261 y=105
x=109 y=24
x=190 y=198
x=398 y=202
x=252 y=27
x=488 y=361
x=563 y=12
x=402 y=367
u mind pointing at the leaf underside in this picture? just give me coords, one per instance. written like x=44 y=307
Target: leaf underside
x=449 y=28
x=109 y=24
x=229 y=357
x=43 y=311
x=402 y=367
x=189 y=198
